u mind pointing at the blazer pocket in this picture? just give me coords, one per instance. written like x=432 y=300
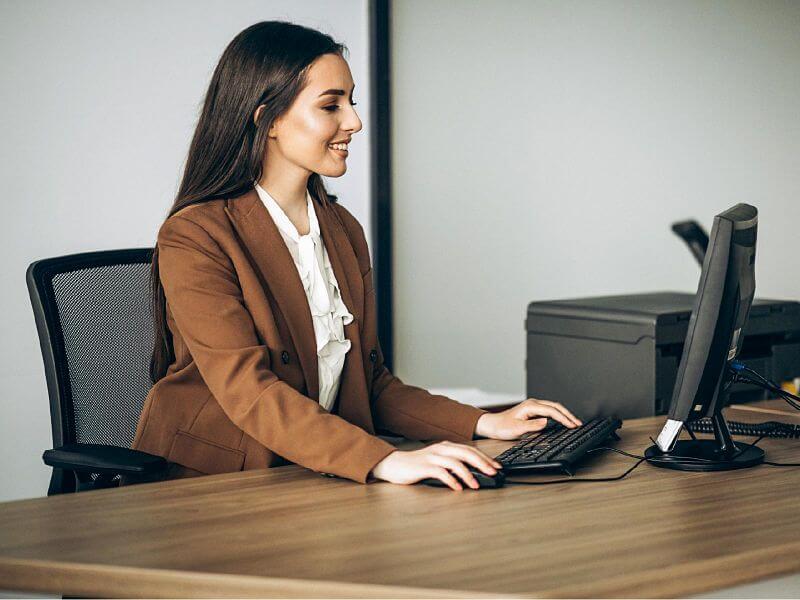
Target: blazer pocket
x=203 y=455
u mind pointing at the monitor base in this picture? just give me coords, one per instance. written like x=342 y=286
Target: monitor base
x=704 y=455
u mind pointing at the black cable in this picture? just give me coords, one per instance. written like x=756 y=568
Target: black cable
x=751 y=445
x=667 y=458
x=640 y=460
x=760 y=381
x=764 y=383
x=775 y=387
x=684 y=458
x=788 y=397
x=576 y=479
x=774 y=464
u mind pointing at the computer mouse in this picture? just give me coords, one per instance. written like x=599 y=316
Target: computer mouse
x=484 y=480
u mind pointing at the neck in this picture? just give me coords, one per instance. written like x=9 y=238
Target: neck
x=287 y=189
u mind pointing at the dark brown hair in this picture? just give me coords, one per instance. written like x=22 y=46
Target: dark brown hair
x=267 y=64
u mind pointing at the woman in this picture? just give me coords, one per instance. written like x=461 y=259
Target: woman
x=266 y=347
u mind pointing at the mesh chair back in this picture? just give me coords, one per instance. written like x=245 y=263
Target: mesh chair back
x=96 y=331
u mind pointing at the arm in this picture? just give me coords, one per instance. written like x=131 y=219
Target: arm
x=405 y=409
x=416 y=413
x=203 y=293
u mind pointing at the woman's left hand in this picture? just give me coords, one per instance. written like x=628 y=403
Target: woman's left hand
x=528 y=416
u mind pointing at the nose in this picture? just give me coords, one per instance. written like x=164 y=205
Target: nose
x=352 y=123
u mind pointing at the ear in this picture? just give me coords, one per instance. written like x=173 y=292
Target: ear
x=257 y=114
x=273 y=126
x=273 y=129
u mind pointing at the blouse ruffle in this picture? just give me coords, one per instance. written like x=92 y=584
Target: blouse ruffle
x=329 y=314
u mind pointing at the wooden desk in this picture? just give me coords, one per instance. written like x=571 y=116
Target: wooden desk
x=289 y=532
x=771 y=410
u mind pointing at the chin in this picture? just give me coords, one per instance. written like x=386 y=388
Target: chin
x=333 y=172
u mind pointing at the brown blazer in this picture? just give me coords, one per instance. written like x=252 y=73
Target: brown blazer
x=243 y=392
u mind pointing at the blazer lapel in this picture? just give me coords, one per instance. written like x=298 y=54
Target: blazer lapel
x=353 y=405
x=343 y=260
x=271 y=256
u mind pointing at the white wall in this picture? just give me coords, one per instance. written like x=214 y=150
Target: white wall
x=99 y=102
x=542 y=149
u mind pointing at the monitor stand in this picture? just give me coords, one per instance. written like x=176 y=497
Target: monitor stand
x=719 y=454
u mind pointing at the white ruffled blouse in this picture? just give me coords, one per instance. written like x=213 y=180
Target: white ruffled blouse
x=328 y=312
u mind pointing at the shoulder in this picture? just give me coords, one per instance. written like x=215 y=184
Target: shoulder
x=203 y=226
x=209 y=216
x=207 y=213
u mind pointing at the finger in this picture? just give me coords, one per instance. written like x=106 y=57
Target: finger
x=535 y=424
x=539 y=410
x=563 y=409
x=446 y=477
x=472 y=456
x=521 y=427
x=458 y=468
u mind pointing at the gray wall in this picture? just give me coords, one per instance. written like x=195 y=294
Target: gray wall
x=542 y=149
x=99 y=101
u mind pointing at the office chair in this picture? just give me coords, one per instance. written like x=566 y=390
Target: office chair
x=95 y=327
x=695 y=237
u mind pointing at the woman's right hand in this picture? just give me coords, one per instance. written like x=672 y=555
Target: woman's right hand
x=437 y=461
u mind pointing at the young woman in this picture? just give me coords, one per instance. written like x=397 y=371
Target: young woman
x=266 y=347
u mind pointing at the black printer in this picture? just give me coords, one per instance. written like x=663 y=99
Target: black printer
x=619 y=355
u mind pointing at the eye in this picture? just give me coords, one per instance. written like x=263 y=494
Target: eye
x=335 y=107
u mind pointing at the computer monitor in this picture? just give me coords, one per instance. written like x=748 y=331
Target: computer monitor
x=714 y=339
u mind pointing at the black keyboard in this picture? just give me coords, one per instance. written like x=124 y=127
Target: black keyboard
x=558 y=447
x=771 y=429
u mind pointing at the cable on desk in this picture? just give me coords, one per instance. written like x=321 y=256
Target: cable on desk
x=576 y=479
x=774 y=464
x=740 y=374
x=640 y=460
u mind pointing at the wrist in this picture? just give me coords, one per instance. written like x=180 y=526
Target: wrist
x=483 y=427
x=379 y=469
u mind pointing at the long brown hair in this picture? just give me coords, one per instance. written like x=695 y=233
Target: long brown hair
x=267 y=64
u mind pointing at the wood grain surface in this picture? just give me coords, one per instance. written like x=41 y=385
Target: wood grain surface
x=288 y=532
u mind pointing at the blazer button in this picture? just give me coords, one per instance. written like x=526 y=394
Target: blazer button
x=285 y=357
x=373 y=356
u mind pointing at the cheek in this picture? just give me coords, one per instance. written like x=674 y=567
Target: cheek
x=317 y=129
x=305 y=141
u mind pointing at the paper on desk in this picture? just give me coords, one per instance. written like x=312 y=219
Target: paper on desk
x=478 y=397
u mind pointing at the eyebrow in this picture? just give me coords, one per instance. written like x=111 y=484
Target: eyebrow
x=335 y=92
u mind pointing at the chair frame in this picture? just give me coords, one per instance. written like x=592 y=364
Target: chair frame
x=39 y=277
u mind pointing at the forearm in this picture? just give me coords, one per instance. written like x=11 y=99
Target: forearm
x=415 y=413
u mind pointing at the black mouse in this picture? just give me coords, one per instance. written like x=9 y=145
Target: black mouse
x=484 y=480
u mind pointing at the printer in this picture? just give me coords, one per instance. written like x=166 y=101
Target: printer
x=619 y=355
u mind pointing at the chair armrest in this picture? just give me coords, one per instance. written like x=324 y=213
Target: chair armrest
x=101 y=458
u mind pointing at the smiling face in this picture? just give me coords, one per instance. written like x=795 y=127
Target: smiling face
x=302 y=139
